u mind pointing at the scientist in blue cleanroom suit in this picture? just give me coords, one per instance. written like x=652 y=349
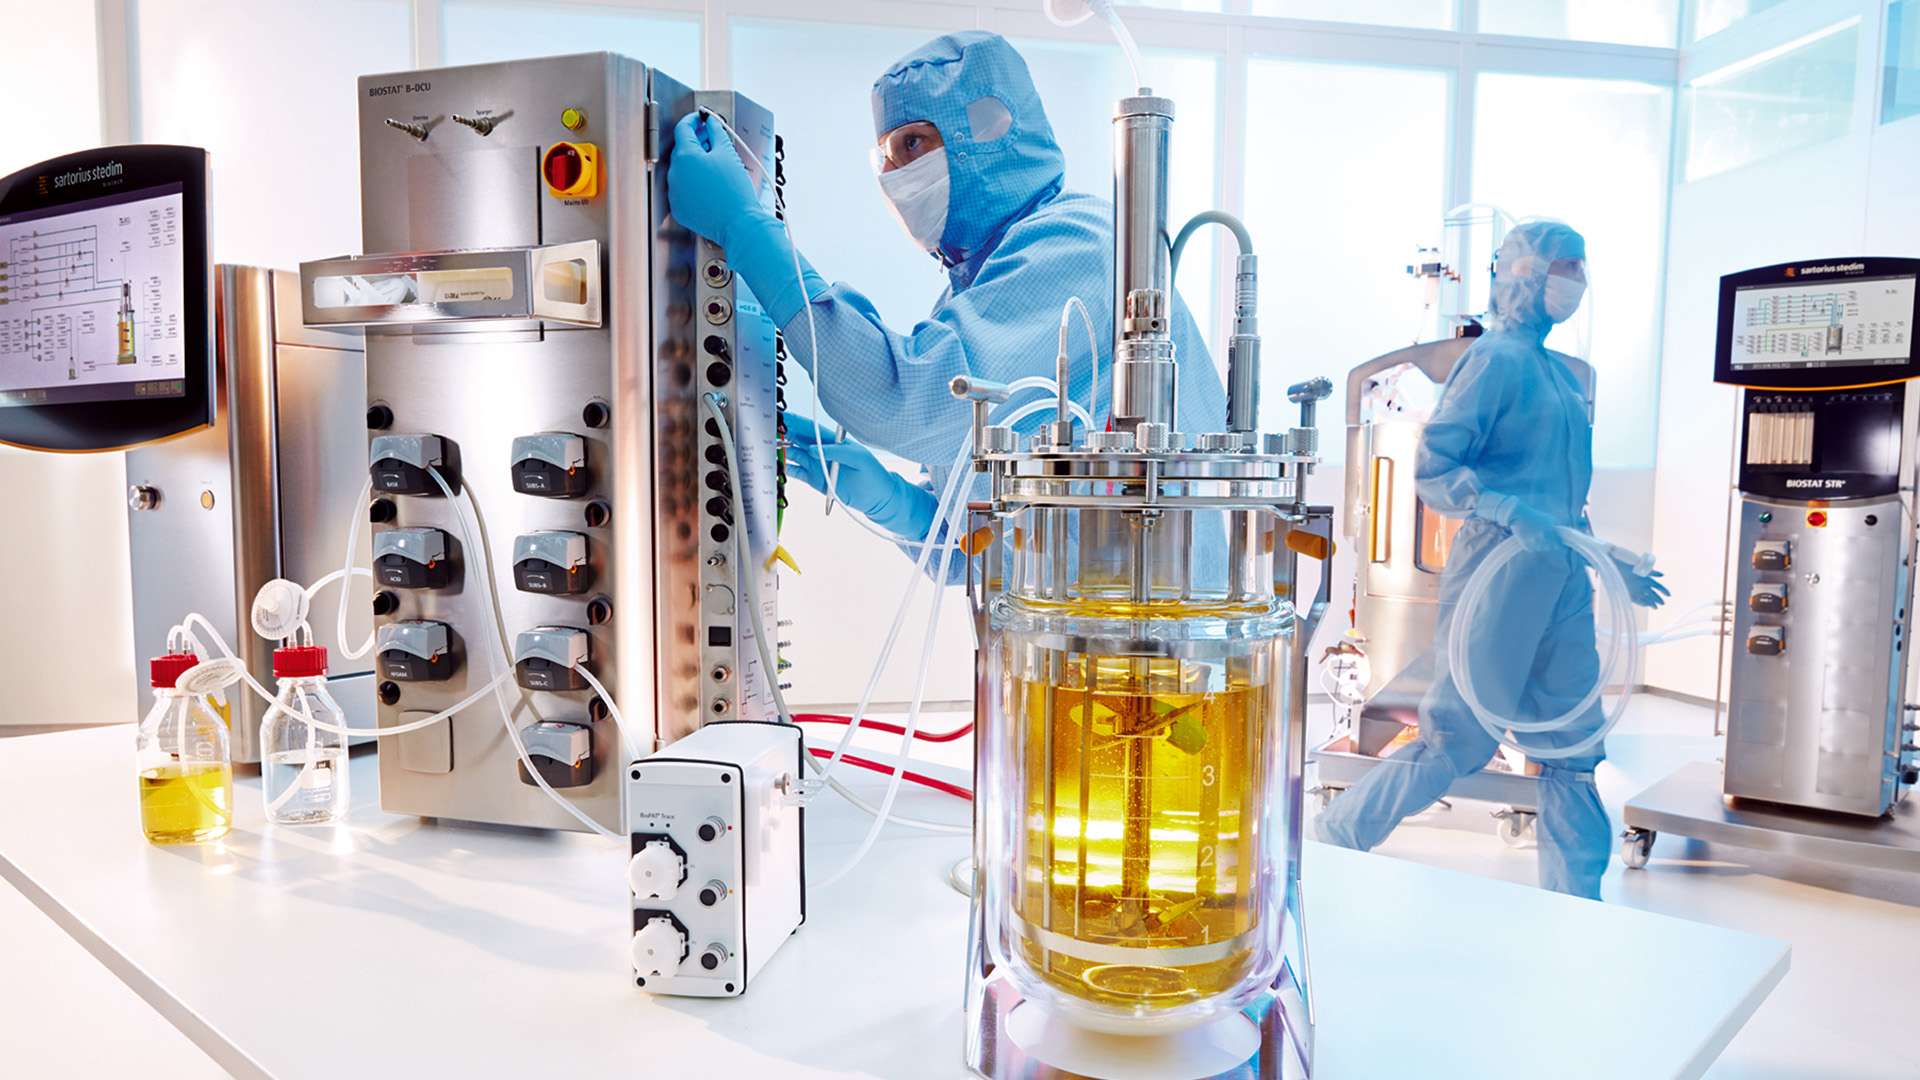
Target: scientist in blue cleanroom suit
x=968 y=165
x=1510 y=449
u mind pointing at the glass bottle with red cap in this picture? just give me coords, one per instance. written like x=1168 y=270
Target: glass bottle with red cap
x=303 y=771
x=186 y=775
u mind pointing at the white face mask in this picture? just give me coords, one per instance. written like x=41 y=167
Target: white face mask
x=917 y=195
x=1562 y=297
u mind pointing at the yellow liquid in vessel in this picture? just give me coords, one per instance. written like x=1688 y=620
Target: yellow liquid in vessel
x=186 y=803
x=1138 y=857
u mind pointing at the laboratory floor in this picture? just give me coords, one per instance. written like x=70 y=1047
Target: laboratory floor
x=1842 y=1013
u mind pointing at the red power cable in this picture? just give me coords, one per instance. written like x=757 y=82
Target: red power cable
x=879 y=725
x=925 y=781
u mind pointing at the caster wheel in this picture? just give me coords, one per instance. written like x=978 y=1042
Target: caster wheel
x=1636 y=845
x=1516 y=827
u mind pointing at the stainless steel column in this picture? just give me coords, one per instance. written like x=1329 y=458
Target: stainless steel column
x=1144 y=383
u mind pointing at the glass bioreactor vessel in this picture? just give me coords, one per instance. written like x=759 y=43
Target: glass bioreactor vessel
x=1140 y=739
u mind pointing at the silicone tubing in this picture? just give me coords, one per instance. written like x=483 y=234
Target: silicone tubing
x=1505 y=729
x=742 y=555
x=484 y=567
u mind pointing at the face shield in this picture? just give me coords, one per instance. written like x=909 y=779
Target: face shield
x=905 y=145
x=911 y=163
x=1563 y=288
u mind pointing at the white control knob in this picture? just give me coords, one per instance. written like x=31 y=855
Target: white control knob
x=658 y=947
x=655 y=871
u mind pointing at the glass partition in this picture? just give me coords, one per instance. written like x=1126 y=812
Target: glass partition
x=818 y=80
x=1708 y=17
x=282 y=124
x=1621 y=22
x=1594 y=154
x=1781 y=99
x=1426 y=14
x=1080 y=83
x=480 y=31
x=63 y=55
x=1900 y=78
x=1339 y=198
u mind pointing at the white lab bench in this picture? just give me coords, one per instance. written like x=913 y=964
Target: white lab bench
x=393 y=946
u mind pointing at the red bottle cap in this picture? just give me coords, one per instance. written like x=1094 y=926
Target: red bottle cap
x=299 y=661
x=167 y=669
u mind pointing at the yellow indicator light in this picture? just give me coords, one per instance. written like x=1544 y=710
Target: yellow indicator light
x=573 y=119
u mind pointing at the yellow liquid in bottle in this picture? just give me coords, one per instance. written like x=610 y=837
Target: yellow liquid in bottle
x=186 y=803
x=1138 y=854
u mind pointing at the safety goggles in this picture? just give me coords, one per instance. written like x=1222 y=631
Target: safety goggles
x=905 y=144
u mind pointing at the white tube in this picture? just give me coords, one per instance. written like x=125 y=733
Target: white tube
x=1706 y=617
x=942 y=526
x=333 y=576
x=893 y=633
x=340 y=611
x=273 y=702
x=1675 y=633
x=411 y=725
x=1500 y=728
x=225 y=650
x=742 y=554
x=1093 y=349
x=832 y=470
x=1703 y=605
x=1034 y=382
x=913 y=587
x=1104 y=9
x=912 y=823
x=619 y=721
x=479 y=558
x=813 y=331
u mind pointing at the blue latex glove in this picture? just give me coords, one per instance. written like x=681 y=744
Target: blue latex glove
x=1645 y=591
x=710 y=191
x=883 y=496
x=1537 y=531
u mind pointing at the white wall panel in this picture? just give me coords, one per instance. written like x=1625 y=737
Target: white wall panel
x=49 y=81
x=1852 y=195
x=482 y=31
x=268 y=87
x=1595 y=154
x=818 y=80
x=66 y=609
x=1339 y=196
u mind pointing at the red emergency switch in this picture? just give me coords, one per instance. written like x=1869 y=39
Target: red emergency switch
x=572 y=170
